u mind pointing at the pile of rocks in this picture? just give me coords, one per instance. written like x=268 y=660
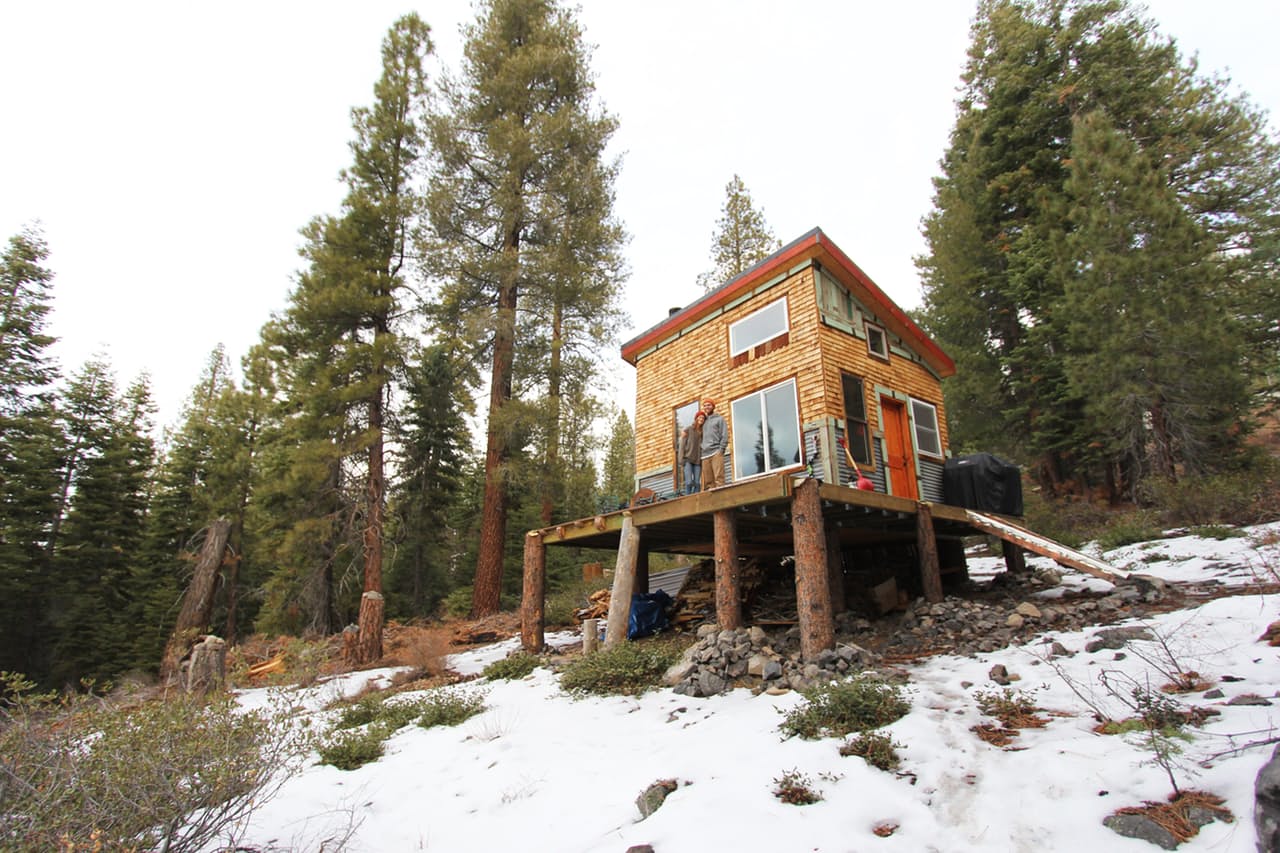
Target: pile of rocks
x=751 y=657
x=997 y=617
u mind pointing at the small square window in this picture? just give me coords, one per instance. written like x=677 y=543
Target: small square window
x=877 y=342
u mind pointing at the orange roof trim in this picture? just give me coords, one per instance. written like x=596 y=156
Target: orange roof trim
x=813 y=246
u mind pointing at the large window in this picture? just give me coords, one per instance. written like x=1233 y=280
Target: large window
x=764 y=325
x=925 y=417
x=766 y=431
x=857 y=435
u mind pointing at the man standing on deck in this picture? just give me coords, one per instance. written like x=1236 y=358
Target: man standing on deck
x=715 y=440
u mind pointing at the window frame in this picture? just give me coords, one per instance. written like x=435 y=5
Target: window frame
x=918 y=429
x=868 y=327
x=764 y=417
x=786 y=327
x=869 y=460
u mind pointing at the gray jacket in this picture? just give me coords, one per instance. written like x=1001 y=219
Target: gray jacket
x=715 y=435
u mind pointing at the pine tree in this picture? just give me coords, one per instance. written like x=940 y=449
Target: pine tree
x=29 y=450
x=343 y=313
x=520 y=209
x=742 y=239
x=103 y=532
x=1002 y=255
x=434 y=449
x=1151 y=351
x=618 y=481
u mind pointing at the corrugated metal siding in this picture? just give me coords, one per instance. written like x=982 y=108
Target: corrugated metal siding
x=930 y=480
x=663 y=484
x=848 y=478
x=669 y=581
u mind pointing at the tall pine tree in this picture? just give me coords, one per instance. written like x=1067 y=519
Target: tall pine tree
x=1004 y=251
x=342 y=321
x=521 y=215
x=29 y=450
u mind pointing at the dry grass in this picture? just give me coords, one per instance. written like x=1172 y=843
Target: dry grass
x=1174 y=815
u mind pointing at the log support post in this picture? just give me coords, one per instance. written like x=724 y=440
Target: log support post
x=835 y=571
x=927 y=545
x=813 y=585
x=642 y=567
x=728 y=572
x=533 y=601
x=624 y=583
x=1015 y=559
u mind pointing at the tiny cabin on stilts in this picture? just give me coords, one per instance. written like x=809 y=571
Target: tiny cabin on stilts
x=820 y=377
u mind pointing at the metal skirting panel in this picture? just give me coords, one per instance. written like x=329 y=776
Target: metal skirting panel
x=670 y=581
x=930 y=480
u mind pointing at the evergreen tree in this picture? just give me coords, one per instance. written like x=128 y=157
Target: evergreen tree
x=1003 y=249
x=103 y=532
x=341 y=321
x=620 y=462
x=1151 y=351
x=434 y=450
x=742 y=239
x=204 y=476
x=29 y=450
x=520 y=209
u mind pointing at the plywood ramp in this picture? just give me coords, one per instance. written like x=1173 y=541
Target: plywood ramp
x=1045 y=547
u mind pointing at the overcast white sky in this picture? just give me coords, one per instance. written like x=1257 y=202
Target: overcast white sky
x=172 y=151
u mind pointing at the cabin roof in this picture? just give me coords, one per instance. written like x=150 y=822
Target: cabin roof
x=813 y=246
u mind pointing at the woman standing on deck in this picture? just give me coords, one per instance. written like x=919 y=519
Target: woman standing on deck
x=691 y=453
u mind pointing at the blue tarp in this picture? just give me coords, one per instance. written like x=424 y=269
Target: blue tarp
x=648 y=613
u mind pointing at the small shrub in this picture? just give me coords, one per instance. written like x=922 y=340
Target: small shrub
x=1128 y=528
x=382 y=708
x=513 y=667
x=628 y=668
x=1224 y=498
x=448 y=707
x=171 y=773
x=1217 y=531
x=1015 y=709
x=795 y=788
x=838 y=708
x=875 y=748
x=458 y=602
x=348 y=750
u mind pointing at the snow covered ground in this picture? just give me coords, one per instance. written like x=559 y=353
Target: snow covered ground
x=541 y=771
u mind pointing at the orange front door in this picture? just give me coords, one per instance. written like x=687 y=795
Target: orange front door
x=898 y=461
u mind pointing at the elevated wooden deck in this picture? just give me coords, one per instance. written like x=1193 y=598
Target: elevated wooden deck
x=777 y=515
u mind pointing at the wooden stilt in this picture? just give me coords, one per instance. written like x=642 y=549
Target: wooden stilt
x=813 y=587
x=642 y=567
x=1015 y=559
x=533 y=600
x=728 y=573
x=624 y=583
x=927 y=544
x=835 y=571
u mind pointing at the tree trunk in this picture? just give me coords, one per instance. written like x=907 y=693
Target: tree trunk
x=197 y=603
x=372 y=603
x=487 y=594
x=728 y=573
x=552 y=464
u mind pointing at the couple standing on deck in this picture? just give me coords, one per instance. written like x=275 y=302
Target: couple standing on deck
x=702 y=447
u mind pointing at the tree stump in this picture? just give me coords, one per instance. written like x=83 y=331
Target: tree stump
x=207 y=669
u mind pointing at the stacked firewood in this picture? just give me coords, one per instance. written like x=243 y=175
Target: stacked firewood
x=597 y=606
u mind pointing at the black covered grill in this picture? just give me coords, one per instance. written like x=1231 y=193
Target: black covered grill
x=983 y=482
